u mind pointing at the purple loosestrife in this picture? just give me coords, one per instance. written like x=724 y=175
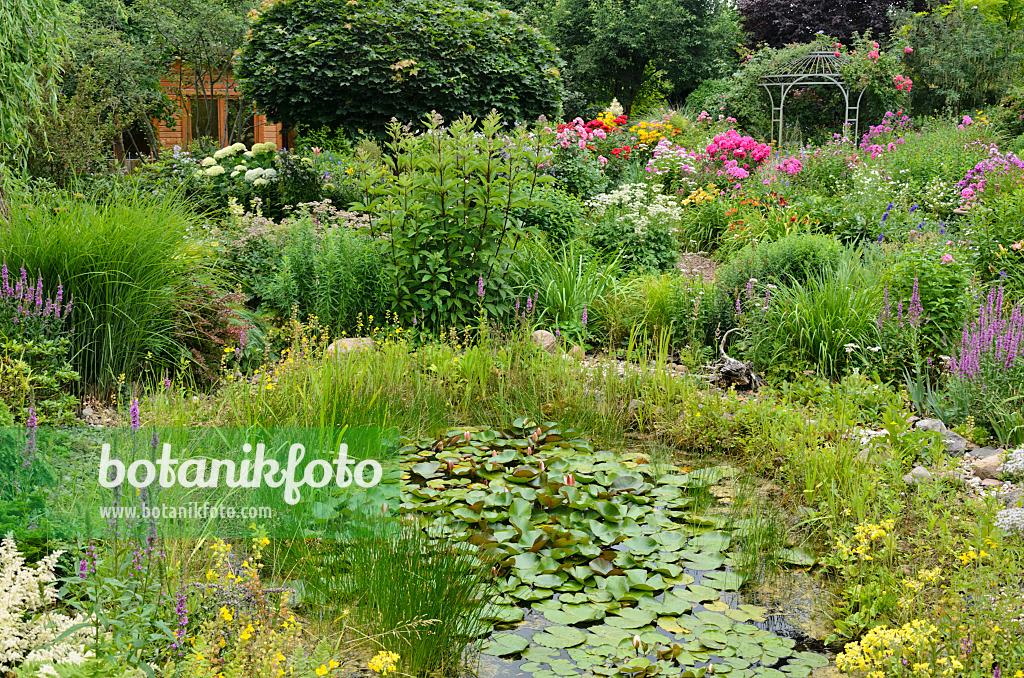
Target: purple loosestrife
x=133 y=413
x=584 y=319
x=480 y=288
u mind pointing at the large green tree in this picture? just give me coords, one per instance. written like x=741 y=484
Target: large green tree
x=614 y=48
x=359 y=63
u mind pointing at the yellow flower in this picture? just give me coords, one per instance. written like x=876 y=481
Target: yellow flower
x=226 y=614
x=322 y=671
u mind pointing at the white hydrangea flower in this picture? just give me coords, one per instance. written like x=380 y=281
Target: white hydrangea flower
x=199 y=173
x=263 y=148
x=254 y=174
x=215 y=171
x=227 y=152
x=237 y=147
x=208 y=162
x=248 y=154
x=269 y=173
x=235 y=174
x=260 y=182
x=240 y=168
x=1011 y=520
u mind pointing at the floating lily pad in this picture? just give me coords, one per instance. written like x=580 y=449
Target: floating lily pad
x=560 y=637
x=502 y=644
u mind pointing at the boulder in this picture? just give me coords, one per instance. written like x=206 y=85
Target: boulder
x=956 y=444
x=919 y=475
x=987 y=468
x=545 y=340
x=1012 y=498
x=983 y=452
x=577 y=353
x=931 y=425
x=350 y=344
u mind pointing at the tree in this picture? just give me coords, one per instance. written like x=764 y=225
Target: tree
x=614 y=48
x=781 y=22
x=32 y=39
x=357 y=64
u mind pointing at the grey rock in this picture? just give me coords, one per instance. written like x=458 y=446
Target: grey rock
x=919 y=475
x=682 y=369
x=931 y=425
x=956 y=444
x=987 y=468
x=1013 y=497
x=350 y=344
x=634 y=406
x=989 y=482
x=974 y=481
x=983 y=452
x=87 y=412
x=577 y=353
x=545 y=340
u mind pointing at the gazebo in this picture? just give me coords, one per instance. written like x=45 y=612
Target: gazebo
x=814 y=68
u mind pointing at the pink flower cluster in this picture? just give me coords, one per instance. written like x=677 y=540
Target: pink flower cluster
x=576 y=133
x=965 y=122
x=731 y=148
x=903 y=83
x=874 y=54
x=790 y=165
x=996 y=170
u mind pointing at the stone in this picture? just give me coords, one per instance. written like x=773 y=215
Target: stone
x=577 y=353
x=987 y=468
x=87 y=412
x=682 y=369
x=634 y=406
x=350 y=344
x=919 y=475
x=1013 y=497
x=545 y=340
x=989 y=482
x=956 y=444
x=983 y=452
x=931 y=425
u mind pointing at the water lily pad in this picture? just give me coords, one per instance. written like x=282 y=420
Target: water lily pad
x=711 y=541
x=502 y=644
x=560 y=637
x=630 y=618
x=799 y=556
x=724 y=581
x=641 y=545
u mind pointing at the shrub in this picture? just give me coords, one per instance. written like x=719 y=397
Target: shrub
x=988 y=370
x=554 y=213
x=997 y=228
x=126 y=263
x=444 y=201
x=34 y=343
x=401 y=60
x=640 y=225
x=333 y=272
x=961 y=60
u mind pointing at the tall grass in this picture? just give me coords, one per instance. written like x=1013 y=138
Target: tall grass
x=567 y=281
x=124 y=262
x=401 y=576
x=822 y=321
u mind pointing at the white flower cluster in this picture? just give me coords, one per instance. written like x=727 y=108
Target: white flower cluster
x=1014 y=464
x=639 y=205
x=257 y=176
x=27 y=629
x=1011 y=521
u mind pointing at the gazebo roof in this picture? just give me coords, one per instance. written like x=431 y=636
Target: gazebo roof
x=818 y=67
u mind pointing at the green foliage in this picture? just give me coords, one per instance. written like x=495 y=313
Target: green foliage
x=961 y=60
x=997 y=227
x=639 y=225
x=823 y=323
x=554 y=213
x=402 y=575
x=792 y=259
x=334 y=273
x=708 y=95
x=564 y=282
x=125 y=262
x=445 y=201
x=401 y=60
x=943 y=286
x=32 y=39
x=576 y=173
x=617 y=49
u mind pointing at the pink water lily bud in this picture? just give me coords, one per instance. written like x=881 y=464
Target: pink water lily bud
x=636 y=642
x=494 y=453
x=569 y=480
x=467 y=436
x=529 y=451
x=542 y=466
x=451 y=465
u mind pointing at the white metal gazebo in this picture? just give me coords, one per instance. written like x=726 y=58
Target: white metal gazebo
x=814 y=68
